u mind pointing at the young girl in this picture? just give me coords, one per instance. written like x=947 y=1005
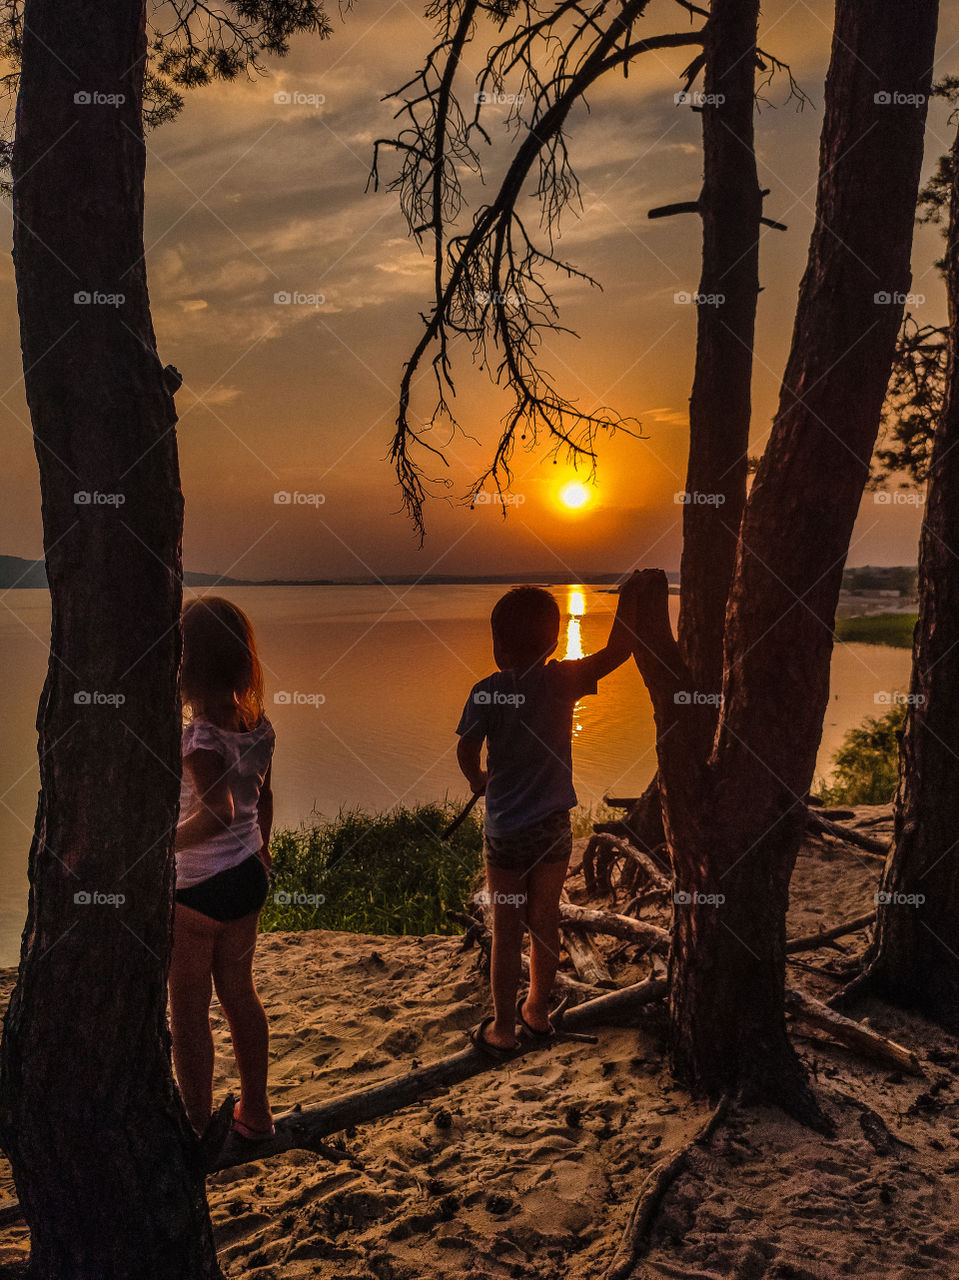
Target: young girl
x=222 y=856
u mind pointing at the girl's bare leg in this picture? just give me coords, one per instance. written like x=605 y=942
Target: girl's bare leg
x=249 y=1029
x=544 y=885
x=191 y=965
x=508 y=900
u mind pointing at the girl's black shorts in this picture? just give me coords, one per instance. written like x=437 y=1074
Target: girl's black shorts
x=230 y=894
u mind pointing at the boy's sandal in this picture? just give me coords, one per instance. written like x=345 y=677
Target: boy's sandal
x=534 y=1033
x=494 y=1051
x=247 y=1134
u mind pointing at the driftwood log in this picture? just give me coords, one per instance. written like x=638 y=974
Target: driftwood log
x=589 y=920
x=811 y=941
x=603 y=851
x=868 y=844
x=586 y=959
x=867 y=1043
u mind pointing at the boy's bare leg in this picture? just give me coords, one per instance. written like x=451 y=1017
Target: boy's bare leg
x=249 y=1029
x=191 y=989
x=508 y=899
x=545 y=886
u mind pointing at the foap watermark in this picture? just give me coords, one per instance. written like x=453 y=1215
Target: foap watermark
x=297 y=298
x=96 y=698
x=495 y=698
x=893 y=698
x=286 y=498
x=696 y=698
x=682 y=898
x=893 y=98
x=296 y=899
x=694 y=98
x=484 y=898
x=885 y=898
x=296 y=98
x=486 y=499
x=692 y=498
x=94 y=898
x=899 y=498
x=96 y=298
x=895 y=299
x=487 y=297
x=94 y=498
x=496 y=98
x=94 y=98
x=284 y=698
x=683 y=298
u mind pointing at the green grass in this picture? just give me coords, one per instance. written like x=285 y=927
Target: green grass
x=374 y=873
x=881 y=628
x=867 y=763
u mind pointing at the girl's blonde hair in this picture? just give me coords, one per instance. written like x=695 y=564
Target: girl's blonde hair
x=220 y=659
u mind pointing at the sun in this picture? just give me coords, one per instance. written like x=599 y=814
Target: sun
x=574 y=495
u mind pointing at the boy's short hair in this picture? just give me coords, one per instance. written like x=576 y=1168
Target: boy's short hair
x=525 y=624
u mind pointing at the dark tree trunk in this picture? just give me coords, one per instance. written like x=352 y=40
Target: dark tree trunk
x=105 y=1165
x=735 y=824
x=719 y=408
x=915 y=961
x=730 y=204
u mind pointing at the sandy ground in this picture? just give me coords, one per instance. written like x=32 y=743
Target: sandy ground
x=531 y=1170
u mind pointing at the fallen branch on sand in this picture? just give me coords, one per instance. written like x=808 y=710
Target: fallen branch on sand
x=660 y=1178
x=609 y=922
x=867 y=1043
x=601 y=855
x=875 y=848
x=305 y=1130
x=587 y=960
x=811 y=941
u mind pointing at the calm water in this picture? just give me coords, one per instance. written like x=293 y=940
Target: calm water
x=376 y=679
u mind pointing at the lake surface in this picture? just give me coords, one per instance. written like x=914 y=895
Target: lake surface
x=375 y=679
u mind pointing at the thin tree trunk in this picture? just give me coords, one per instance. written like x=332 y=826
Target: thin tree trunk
x=730 y=204
x=915 y=960
x=735 y=823
x=105 y=1165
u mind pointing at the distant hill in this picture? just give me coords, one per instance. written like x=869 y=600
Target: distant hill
x=16 y=572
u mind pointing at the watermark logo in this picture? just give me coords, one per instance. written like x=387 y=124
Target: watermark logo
x=94 y=98
x=692 y=498
x=485 y=698
x=283 y=698
x=696 y=698
x=284 y=899
x=94 y=898
x=893 y=98
x=484 y=898
x=693 y=98
x=486 y=499
x=884 y=898
x=485 y=298
x=294 y=98
x=893 y=698
x=884 y=299
x=683 y=298
x=94 y=498
x=95 y=298
x=296 y=298
x=683 y=899
x=284 y=498
x=899 y=498
x=95 y=698
x=497 y=99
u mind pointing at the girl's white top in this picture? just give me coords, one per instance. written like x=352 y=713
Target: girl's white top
x=246 y=757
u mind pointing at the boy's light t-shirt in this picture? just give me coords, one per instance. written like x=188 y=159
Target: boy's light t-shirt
x=527 y=721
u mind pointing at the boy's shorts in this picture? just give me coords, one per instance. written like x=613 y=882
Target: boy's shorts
x=549 y=840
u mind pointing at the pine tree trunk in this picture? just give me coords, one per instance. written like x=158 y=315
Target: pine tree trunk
x=730 y=204
x=734 y=824
x=105 y=1165
x=915 y=961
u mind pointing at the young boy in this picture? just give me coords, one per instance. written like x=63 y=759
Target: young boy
x=524 y=712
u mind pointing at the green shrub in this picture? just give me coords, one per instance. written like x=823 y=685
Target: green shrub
x=881 y=628
x=867 y=763
x=374 y=873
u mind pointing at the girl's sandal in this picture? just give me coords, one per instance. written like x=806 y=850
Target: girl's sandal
x=494 y=1051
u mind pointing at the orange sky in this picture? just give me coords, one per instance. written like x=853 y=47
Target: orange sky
x=248 y=197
